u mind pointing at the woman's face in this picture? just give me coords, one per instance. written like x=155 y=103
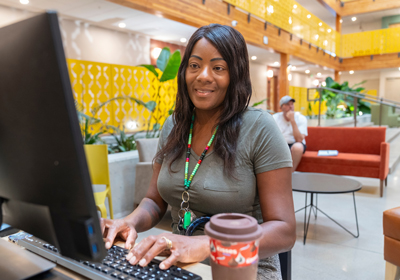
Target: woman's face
x=207 y=77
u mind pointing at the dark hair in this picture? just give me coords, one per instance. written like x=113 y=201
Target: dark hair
x=232 y=46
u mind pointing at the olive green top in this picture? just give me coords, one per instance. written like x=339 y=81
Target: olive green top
x=260 y=148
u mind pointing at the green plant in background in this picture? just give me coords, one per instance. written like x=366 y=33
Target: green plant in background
x=125 y=143
x=341 y=105
x=87 y=124
x=168 y=64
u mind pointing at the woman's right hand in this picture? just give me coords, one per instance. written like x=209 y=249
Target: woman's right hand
x=118 y=227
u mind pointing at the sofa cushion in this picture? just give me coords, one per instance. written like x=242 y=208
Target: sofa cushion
x=391 y=250
x=391 y=223
x=360 y=160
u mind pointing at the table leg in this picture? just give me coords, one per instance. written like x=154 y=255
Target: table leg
x=355 y=212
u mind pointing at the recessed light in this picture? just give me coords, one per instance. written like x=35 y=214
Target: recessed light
x=253 y=57
x=351 y=72
x=234 y=23
x=341 y=20
x=329 y=30
x=316 y=82
x=122 y=25
x=289 y=77
x=319 y=74
x=294 y=6
x=308 y=16
x=323 y=84
x=307 y=71
x=293 y=68
x=276 y=63
x=320 y=24
x=399 y=68
x=353 y=19
x=183 y=40
x=270 y=73
x=24 y=2
x=340 y=73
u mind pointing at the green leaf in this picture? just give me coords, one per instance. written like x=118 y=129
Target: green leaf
x=360 y=89
x=148 y=105
x=163 y=58
x=259 y=103
x=156 y=126
x=151 y=68
x=151 y=105
x=363 y=82
x=171 y=70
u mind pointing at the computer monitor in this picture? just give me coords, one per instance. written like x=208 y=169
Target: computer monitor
x=44 y=178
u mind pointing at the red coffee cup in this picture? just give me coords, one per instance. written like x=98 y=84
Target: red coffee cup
x=234 y=241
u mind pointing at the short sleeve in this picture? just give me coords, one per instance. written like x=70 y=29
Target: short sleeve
x=270 y=150
x=167 y=127
x=302 y=125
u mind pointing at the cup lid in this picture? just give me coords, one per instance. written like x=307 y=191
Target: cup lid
x=233 y=227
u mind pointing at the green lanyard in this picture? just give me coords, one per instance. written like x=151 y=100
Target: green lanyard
x=187 y=216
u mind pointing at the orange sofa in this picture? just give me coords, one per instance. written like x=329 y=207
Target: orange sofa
x=391 y=250
x=363 y=152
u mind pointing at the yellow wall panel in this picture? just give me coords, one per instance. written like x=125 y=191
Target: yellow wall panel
x=94 y=83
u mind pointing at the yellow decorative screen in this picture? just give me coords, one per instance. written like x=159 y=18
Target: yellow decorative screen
x=295 y=19
x=302 y=105
x=94 y=83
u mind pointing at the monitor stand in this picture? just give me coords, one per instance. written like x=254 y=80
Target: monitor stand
x=18 y=263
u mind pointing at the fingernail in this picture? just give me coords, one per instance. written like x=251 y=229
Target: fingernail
x=132 y=261
x=129 y=246
x=129 y=256
x=162 y=266
x=108 y=245
x=142 y=262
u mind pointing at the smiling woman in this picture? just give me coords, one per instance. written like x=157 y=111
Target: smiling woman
x=215 y=155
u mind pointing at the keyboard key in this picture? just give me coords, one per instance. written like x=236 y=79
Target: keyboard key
x=86 y=263
x=115 y=274
x=106 y=270
x=121 y=277
x=121 y=268
x=128 y=270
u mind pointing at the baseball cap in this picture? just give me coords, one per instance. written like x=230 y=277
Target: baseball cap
x=285 y=100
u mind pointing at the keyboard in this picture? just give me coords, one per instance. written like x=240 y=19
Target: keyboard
x=114 y=265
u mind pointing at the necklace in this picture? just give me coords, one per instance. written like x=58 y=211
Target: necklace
x=185 y=215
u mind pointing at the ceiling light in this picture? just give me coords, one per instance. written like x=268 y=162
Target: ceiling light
x=289 y=77
x=307 y=71
x=276 y=63
x=122 y=25
x=24 y=2
x=294 y=6
x=329 y=30
x=270 y=73
x=341 y=20
x=323 y=84
x=234 y=23
x=340 y=73
x=294 y=68
x=290 y=20
x=318 y=74
x=253 y=57
x=353 y=19
x=308 y=16
x=320 y=24
x=315 y=82
x=183 y=40
x=399 y=68
x=155 y=52
x=316 y=37
x=351 y=72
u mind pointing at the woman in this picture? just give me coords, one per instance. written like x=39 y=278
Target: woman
x=245 y=167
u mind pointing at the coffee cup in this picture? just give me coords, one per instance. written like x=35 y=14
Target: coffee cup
x=234 y=242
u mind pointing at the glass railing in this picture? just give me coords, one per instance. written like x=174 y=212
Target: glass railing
x=383 y=111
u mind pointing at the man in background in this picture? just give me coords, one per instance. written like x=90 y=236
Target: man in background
x=293 y=126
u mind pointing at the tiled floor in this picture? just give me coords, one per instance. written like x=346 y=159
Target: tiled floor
x=332 y=253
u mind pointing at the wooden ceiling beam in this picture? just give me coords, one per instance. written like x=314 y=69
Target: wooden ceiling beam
x=360 y=6
x=391 y=60
x=194 y=13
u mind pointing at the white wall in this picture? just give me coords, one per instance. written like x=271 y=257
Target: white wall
x=258 y=78
x=301 y=80
x=361 y=26
x=87 y=42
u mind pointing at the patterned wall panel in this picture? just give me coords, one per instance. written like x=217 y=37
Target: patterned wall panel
x=302 y=105
x=94 y=83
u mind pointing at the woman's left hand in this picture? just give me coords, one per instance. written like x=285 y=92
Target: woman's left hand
x=185 y=249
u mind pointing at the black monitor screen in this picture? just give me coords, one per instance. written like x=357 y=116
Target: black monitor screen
x=44 y=178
